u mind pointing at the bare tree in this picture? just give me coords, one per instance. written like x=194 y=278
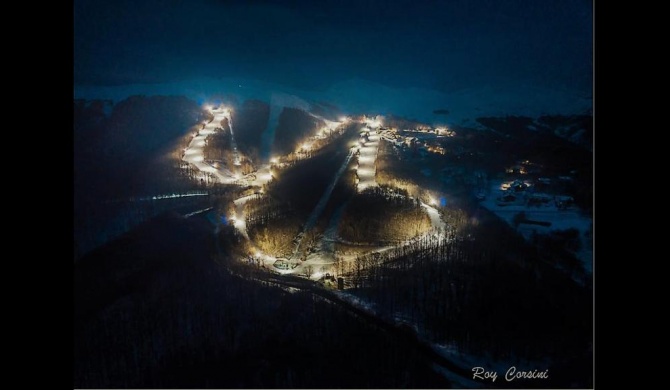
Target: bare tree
x=309 y=270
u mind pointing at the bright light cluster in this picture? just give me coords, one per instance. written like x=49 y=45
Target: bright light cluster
x=373 y=122
x=332 y=125
x=445 y=131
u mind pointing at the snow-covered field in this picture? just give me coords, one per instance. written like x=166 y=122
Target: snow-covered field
x=560 y=219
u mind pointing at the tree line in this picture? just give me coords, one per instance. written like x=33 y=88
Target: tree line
x=481 y=289
x=383 y=214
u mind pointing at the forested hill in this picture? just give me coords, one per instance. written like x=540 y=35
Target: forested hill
x=153 y=310
x=113 y=142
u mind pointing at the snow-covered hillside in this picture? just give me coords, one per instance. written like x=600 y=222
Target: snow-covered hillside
x=361 y=96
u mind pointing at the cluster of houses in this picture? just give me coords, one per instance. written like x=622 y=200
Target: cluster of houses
x=440 y=131
x=402 y=142
x=523 y=191
x=524 y=168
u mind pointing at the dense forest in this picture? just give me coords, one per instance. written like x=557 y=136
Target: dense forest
x=272 y=225
x=383 y=215
x=249 y=122
x=275 y=218
x=127 y=154
x=218 y=145
x=544 y=143
x=484 y=290
x=112 y=149
x=317 y=172
x=389 y=170
x=153 y=310
x=169 y=304
x=294 y=125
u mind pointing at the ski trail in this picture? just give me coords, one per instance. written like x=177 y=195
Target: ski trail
x=316 y=213
x=158 y=197
x=367 y=168
x=240 y=219
x=194 y=153
x=434 y=216
x=326 y=246
x=268 y=136
x=233 y=143
x=197 y=212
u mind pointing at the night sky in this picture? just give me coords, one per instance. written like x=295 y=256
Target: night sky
x=308 y=44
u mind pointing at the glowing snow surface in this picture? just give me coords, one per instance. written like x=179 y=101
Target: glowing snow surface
x=322 y=260
x=194 y=152
x=434 y=215
x=366 y=162
x=240 y=218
